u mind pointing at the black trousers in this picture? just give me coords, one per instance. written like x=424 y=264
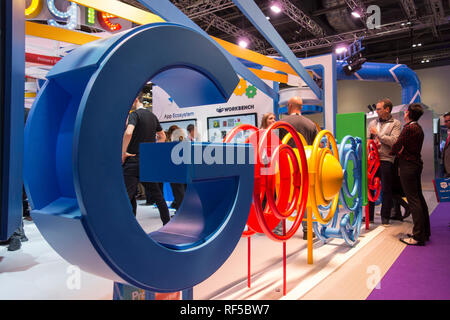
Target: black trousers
x=410 y=177
x=131 y=177
x=178 y=190
x=386 y=174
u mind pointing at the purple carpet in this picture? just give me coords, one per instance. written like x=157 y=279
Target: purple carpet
x=421 y=273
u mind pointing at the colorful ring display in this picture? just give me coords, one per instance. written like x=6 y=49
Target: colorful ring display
x=315 y=167
x=373 y=163
x=275 y=161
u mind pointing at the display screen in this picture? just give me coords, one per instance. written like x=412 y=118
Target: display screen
x=181 y=123
x=218 y=127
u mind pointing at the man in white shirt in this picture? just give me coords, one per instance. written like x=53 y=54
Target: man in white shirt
x=385 y=131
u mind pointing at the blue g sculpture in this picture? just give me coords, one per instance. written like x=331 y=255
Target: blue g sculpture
x=73 y=172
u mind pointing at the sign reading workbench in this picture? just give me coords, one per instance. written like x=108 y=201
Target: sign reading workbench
x=443 y=189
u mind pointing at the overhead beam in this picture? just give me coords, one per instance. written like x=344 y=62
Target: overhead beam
x=58 y=34
x=259 y=20
x=201 y=8
x=302 y=19
x=229 y=28
x=384 y=30
x=409 y=8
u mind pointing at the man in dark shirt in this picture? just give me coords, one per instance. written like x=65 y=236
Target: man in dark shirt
x=305 y=127
x=302 y=124
x=142 y=126
x=408 y=148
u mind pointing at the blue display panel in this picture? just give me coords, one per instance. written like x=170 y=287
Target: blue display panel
x=218 y=127
x=11 y=114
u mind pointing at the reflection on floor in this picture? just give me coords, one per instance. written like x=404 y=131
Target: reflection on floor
x=37 y=272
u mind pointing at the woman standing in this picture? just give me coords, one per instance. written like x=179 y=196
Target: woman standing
x=408 y=148
x=268 y=119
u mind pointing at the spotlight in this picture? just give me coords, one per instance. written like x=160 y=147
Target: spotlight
x=275 y=8
x=340 y=50
x=356 y=14
x=353 y=65
x=243 y=43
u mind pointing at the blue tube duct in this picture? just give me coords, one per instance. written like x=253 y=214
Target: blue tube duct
x=386 y=72
x=381 y=72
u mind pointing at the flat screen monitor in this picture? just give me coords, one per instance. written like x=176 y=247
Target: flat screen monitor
x=183 y=124
x=218 y=127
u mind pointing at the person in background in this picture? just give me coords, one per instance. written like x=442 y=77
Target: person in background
x=142 y=126
x=192 y=133
x=305 y=127
x=408 y=148
x=446 y=149
x=385 y=130
x=267 y=119
x=176 y=134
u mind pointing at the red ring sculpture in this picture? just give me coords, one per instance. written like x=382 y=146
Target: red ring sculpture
x=293 y=175
x=373 y=163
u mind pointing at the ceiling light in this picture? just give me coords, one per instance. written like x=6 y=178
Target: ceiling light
x=356 y=14
x=427 y=60
x=353 y=65
x=275 y=8
x=243 y=43
x=340 y=50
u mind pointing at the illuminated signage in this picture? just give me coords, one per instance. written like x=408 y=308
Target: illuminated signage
x=67 y=16
x=90 y=16
x=71 y=15
x=33 y=9
x=104 y=17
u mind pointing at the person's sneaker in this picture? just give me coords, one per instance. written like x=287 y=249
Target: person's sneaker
x=23 y=238
x=14 y=244
x=384 y=222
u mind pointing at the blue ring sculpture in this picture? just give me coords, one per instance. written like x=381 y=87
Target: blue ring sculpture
x=73 y=173
x=349 y=227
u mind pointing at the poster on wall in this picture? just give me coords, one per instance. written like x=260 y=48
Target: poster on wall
x=442 y=188
x=246 y=100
